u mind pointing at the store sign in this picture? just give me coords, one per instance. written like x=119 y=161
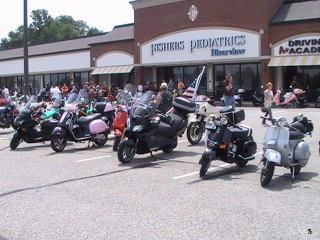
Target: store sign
x=201 y=45
x=309 y=45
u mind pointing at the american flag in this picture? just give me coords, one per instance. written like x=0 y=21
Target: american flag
x=191 y=91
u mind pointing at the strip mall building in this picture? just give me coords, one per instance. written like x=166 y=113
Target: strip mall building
x=257 y=41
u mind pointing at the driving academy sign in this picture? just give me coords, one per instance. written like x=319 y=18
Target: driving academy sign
x=201 y=45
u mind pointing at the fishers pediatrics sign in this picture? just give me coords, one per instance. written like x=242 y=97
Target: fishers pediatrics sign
x=201 y=45
x=306 y=45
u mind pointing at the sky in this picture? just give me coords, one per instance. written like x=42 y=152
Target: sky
x=102 y=14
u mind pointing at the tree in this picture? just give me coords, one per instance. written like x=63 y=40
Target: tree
x=45 y=29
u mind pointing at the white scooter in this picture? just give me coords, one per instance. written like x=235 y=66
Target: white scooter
x=284 y=146
x=196 y=126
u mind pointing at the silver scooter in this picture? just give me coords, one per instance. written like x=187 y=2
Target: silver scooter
x=284 y=146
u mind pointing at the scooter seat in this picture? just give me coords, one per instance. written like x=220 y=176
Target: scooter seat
x=87 y=119
x=166 y=130
x=227 y=109
x=239 y=133
x=295 y=135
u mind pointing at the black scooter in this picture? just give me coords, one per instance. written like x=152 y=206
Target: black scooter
x=30 y=128
x=148 y=131
x=227 y=140
x=8 y=112
x=257 y=100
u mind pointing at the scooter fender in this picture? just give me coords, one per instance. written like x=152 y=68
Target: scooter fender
x=58 y=131
x=273 y=156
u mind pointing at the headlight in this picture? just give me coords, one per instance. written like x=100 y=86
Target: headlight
x=282 y=122
x=137 y=128
x=224 y=120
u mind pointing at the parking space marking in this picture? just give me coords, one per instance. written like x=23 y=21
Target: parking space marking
x=91 y=159
x=195 y=173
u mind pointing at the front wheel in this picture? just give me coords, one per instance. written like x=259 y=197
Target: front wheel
x=116 y=143
x=58 y=143
x=126 y=151
x=16 y=140
x=194 y=132
x=205 y=162
x=102 y=139
x=266 y=173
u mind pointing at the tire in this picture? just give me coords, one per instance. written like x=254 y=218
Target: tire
x=205 y=164
x=101 y=142
x=297 y=169
x=194 y=132
x=16 y=140
x=242 y=163
x=58 y=143
x=167 y=149
x=266 y=173
x=116 y=143
x=126 y=151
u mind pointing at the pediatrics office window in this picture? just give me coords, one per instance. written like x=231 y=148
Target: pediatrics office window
x=246 y=76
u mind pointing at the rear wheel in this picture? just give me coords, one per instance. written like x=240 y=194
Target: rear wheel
x=102 y=139
x=16 y=140
x=126 y=151
x=58 y=143
x=116 y=143
x=266 y=173
x=194 y=132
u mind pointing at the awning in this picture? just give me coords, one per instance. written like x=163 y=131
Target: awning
x=294 y=61
x=111 y=70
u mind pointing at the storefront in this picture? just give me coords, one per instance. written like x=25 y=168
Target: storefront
x=298 y=59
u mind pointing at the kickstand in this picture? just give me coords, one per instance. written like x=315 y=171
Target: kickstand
x=152 y=156
x=292 y=175
x=90 y=142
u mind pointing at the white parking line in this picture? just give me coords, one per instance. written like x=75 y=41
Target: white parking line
x=195 y=173
x=183 y=141
x=90 y=159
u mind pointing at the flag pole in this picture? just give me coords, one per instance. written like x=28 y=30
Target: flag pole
x=25 y=47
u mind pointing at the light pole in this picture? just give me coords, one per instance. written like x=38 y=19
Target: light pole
x=25 y=47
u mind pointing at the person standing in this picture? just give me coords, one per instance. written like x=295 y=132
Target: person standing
x=181 y=87
x=65 y=90
x=164 y=98
x=228 y=92
x=54 y=92
x=268 y=97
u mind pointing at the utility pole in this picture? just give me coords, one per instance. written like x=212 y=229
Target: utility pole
x=25 y=47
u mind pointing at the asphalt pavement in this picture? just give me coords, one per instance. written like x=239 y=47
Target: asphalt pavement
x=86 y=193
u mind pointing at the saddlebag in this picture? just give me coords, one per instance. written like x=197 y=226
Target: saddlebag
x=184 y=105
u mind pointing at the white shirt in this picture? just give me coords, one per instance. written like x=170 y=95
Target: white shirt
x=55 y=92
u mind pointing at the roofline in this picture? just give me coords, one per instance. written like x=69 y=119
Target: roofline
x=123 y=25
x=138 y=4
x=295 y=21
x=113 y=41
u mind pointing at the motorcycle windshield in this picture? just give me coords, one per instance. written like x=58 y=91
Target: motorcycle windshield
x=146 y=105
x=25 y=113
x=124 y=97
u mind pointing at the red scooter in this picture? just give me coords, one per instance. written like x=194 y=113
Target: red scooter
x=124 y=101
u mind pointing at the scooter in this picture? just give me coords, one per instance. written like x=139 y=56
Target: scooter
x=196 y=126
x=290 y=99
x=238 y=98
x=123 y=103
x=257 y=100
x=148 y=131
x=8 y=113
x=77 y=129
x=30 y=128
x=284 y=146
x=227 y=140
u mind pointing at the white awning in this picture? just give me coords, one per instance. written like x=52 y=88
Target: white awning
x=112 y=70
x=294 y=61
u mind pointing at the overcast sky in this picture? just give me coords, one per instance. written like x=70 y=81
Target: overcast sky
x=103 y=14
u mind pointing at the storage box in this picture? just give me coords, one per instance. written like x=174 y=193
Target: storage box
x=236 y=116
x=184 y=105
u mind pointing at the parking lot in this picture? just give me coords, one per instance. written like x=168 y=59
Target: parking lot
x=86 y=193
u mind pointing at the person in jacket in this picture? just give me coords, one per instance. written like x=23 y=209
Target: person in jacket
x=164 y=98
x=228 y=92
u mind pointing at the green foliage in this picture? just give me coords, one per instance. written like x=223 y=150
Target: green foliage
x=45 y=29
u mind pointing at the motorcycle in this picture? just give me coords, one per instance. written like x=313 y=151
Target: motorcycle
x=227 y=140
x=196 y=127
x=123 y=104
x=30 y=128
x=238 y=98
x=8 y=113
x=71 y=127
x=284 y=146
x=257 y=100
x=51 y=109
x=148 y=131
